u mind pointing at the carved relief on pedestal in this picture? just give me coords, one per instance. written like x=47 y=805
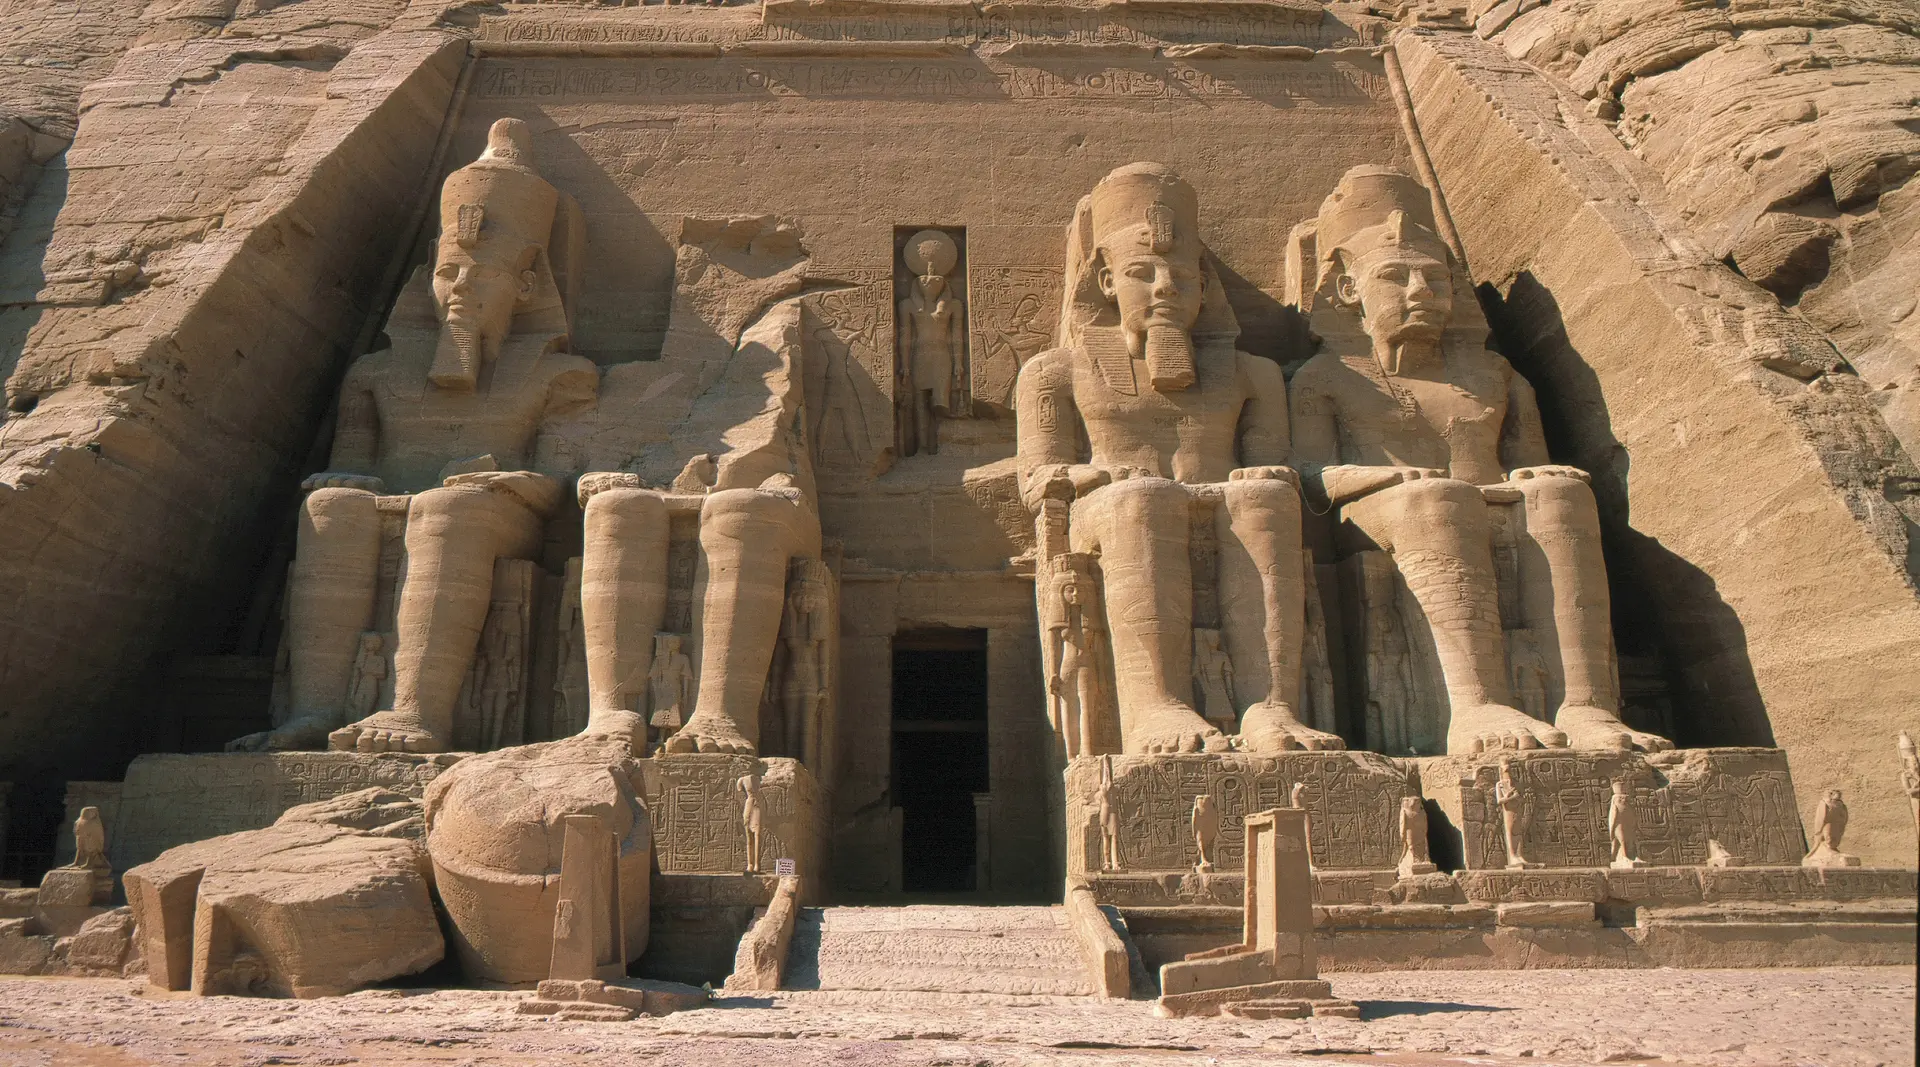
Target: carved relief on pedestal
x=1678 y=807
x=1353 y=800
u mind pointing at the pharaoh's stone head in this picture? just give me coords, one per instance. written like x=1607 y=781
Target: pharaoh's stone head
x=1146 y=232
x=496 y=217
x=1381 y=254
x=931 y=256
x=666 y=644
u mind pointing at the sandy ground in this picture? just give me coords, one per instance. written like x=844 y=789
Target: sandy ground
x=1840 y=1017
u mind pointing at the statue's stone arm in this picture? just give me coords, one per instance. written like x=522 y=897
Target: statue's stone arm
x=1316 y=448
x=1523 y=444
x=1048 y=453
x=574 y=388
x=356 y=435
x=1263 y=422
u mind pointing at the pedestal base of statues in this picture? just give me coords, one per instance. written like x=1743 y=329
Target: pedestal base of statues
x=1264 y=1000
x=169 y=800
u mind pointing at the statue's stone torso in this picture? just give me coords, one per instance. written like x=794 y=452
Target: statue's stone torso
x=1450 y=417
x=1188 y=435
x=423 y=427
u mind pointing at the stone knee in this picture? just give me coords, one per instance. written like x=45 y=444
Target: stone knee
x=1432 y=509
x=625 y=516
x=760 y=521
x=1133 y=504
x=457 y=513
x=330 y=512
x=1266 y=504
x=1559 y=502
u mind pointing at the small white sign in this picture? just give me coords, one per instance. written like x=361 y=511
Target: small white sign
x=783 y=868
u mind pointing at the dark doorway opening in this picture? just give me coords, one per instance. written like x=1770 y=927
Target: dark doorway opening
x=939 y=755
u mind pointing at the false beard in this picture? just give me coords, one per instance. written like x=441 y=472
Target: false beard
x=456 y=363
x=1169 y=358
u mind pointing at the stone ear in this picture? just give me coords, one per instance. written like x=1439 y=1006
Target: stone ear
x=1345 y=290
x=527 y=281
x=1103 y=276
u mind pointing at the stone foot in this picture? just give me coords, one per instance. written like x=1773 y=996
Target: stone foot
x=1173 y=728
x=707 y=732
x=1272 y=727
x=1493 y=727
x=291 y=736
x=626 y=725
x=386 y=731
x=1587 y=727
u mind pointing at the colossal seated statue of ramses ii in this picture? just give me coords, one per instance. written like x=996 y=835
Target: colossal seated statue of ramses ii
x=450 y=416
x=1415 y=432
x=1179 y=498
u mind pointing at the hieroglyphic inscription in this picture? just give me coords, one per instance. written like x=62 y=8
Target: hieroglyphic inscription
x=1742 y=798
x=1353 y=800
x=696 y=809
x=170 y=800
x=1340 y=83
x=850 y=375
x=1014 y=310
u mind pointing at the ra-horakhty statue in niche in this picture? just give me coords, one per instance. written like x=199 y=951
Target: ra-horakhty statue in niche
x=449 y=416
x=1415 y=431
x=1186 y=438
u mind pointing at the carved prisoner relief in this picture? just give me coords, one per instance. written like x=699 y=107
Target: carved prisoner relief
x=1354 y=802
x=1742 y=798
x=696 y=806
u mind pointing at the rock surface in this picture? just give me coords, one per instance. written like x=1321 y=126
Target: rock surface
x=303 y=908
x=1836 y=1018
x=938 y=949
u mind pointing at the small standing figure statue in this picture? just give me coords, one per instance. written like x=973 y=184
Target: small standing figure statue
x=670 y=688
x=1213 y=678
x=1297 y=798
x=1910 y=775
x=369 y=669
x=805 y=695
x=1829 y=826
x=748 y=786
x=1514 y=817
x=1206 y=830
x=1623 y=828
x=1071 y=632
x=933 y=331
x=90 y=852
x=1414 y=859
x=1109 y=815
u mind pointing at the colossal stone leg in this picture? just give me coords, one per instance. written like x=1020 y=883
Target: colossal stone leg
x=454 y=534
x=747 y=538
x=1263 y=611
x=330 y=598
x=1564 y=581
x=1437 y=532
x=623 y=601
x=1139 y=527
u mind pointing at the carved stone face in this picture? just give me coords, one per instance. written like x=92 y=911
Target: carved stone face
x=933 y=285
x=478 y=296
x=1151 y=290
x=1404 y=293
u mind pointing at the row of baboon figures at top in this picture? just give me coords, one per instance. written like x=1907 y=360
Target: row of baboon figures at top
x=1164 y=470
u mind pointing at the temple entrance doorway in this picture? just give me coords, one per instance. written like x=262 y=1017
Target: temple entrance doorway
x=939 y=764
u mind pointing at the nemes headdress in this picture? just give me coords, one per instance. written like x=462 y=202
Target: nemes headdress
x=1149 y=208
x=1372 y=208
x=496 y=208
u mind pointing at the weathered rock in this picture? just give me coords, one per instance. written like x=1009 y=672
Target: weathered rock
x=495 y=834
x=302 y=908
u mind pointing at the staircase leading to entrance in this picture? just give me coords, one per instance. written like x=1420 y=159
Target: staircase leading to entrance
x=937 y=949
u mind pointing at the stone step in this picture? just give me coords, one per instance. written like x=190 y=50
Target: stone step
x=938 y=949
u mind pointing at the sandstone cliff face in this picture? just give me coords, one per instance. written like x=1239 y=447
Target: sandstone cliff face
x=177 y=296
x=1786 y=134
x=1752 y=487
